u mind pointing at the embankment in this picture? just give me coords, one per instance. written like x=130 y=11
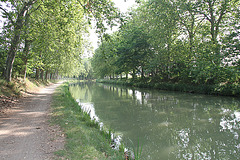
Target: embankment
x=226 y=89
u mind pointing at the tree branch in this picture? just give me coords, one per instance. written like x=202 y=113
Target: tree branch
x=9 y=17
x=223 y=12
x=81 y=4
x=36 y=8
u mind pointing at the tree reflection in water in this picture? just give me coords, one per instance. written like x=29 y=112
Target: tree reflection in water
x=170 y=125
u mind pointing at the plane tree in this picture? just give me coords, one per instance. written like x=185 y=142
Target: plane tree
x=22 y=16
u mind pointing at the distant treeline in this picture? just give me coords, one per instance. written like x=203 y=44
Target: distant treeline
x=222 y=90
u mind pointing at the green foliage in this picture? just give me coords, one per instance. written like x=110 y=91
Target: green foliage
x=2 y=61
x=184 y=42
x=51 y=34
x=223 y=89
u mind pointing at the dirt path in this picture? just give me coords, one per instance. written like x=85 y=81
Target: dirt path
x=25 y=132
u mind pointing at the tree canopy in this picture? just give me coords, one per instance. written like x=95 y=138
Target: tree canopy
x=46 y=38
x=183 y=41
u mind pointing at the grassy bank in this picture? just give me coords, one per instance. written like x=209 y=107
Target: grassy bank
x=84 y=140
x=219 y=89
x=18 y=86
x=10 y=92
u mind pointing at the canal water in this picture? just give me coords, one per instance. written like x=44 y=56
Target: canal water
x=166 y=125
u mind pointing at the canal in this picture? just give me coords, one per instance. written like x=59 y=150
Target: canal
x=166 y=125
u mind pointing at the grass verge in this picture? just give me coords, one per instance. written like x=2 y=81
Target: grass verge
x=10 y=92
x=84 y=139
x=16 y=87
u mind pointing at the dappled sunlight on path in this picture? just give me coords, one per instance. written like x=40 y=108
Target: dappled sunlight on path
x=24 y=131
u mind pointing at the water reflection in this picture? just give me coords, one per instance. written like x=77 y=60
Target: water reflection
x=88 y=108
x=168 y=125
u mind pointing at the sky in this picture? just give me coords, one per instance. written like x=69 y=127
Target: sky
x=124 y=5
x=2 y=19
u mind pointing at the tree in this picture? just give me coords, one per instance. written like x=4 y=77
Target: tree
x=135 y=49
x=65 y=14
x=162 y=28
x=21 y=9
x=103 y=60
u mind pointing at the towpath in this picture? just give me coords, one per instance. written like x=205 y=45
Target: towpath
x=25 y=132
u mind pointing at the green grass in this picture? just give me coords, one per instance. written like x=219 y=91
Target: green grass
x=84 y=140
x=10 y=89
x=14 y=88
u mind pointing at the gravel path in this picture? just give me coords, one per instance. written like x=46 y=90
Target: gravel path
x=25 y=132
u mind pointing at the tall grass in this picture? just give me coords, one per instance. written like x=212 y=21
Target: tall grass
x=135 y=152
x=11 y=89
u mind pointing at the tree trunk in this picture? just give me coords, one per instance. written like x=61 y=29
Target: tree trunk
x=56 y=74
x=25 y=70
x=134 y=74
x=41 y=74
x=46 y=75
x=37 y=74
x=142 y=73
x=9 y=62
x=16 y=39
x=126 y=75
x=26 y=47
x=25 y=58
x=13 y=49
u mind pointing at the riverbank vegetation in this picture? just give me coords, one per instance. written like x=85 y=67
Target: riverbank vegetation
x=84 y=139
x=175 y=45
x=17 y=87
x=218 y=89
x=11 y=92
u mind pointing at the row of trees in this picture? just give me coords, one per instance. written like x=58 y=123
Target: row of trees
x=46 y=38
x=179 y=41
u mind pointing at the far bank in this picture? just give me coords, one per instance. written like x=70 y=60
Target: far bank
x=223 y=89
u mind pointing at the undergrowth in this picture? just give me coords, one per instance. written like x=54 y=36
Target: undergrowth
x=11 y=89
x=17 y=86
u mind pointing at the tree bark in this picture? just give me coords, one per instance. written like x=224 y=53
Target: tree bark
x=26 y=48
x=46 y=75
x=142 y=73
x=134 y=74
x=37 y=74
x=25 y=58
x=16 y=39
x=25 y=70
x=126 y=75
x=41 y=74
x=11 y=55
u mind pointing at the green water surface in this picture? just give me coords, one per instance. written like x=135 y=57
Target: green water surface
x=168 y=125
